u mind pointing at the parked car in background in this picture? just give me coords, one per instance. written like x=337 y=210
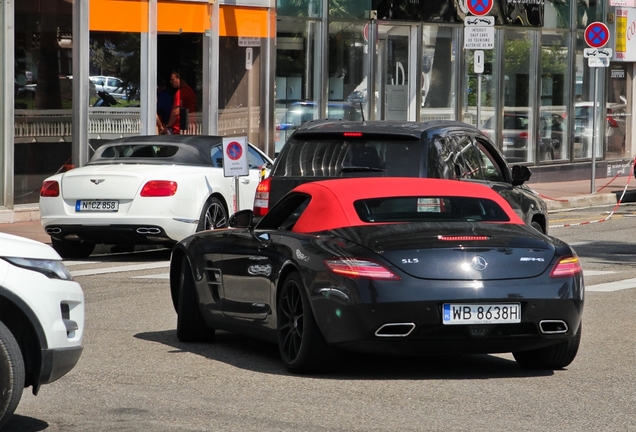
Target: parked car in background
x=324 y=149
x=516 y=134
x=41 y=319
x=144 y=190
x=615 y=126
x=300 y=112
x=111 y=85
x=383 y=265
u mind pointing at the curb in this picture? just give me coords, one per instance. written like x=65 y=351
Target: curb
x=568 y=203
x=20 y=213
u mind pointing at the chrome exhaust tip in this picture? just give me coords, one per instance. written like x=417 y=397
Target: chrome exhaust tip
x=395 y=330
x=53 y=230
x=553 y=327
x=148 y=231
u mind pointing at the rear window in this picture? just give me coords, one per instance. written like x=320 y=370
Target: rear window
x=350 y=158
x=430 y=209
x=135 y=151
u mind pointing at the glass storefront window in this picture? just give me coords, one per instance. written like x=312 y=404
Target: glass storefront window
x=586 y=118
x=298 y=72
x=554 y=96
x=438 y=83
x=588 y=11
x=556 y=14
x=114 y=73
x=489 y=91
x=43 y=94
x=618 y=112
x=114 y=69
x=239 y=90
x=350 y=9
x=518 y=125
x=180 y=66
x=348 y=62
x=299 y=8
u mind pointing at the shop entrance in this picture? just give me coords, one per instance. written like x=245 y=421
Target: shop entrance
x=394 y=88
x=182 y=53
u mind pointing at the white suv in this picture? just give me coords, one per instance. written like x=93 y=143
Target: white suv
x=41 y=319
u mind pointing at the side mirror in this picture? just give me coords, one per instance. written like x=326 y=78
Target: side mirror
x=520 y=175
x=242 y=219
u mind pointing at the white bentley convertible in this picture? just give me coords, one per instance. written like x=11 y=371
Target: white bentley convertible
x=144 y=190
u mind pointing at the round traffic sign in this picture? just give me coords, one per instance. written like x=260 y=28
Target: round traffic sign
x=479 y=7
x=597 y=35
x=234 y=150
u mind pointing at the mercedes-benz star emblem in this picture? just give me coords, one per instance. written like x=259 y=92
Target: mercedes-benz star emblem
x=479 y=263
x=97 y=181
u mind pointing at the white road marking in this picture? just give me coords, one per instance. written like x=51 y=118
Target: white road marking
x=604 y=287
x=613 y=286
x=597 y=272
x=155 y=276
x=74 y=263
x=118 y=269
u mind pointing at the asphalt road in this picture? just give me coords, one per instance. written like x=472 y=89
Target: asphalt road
x=134 y=375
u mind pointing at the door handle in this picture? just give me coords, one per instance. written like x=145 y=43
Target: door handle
x=245 y=181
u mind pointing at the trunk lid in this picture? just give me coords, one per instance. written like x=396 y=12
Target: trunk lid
x=112 y=181
x=477 y=251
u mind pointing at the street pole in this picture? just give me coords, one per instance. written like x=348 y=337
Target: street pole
x=478 y=100
x=593 y=182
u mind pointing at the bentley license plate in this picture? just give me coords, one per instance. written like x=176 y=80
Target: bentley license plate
x=96 y=206
x=503 y=313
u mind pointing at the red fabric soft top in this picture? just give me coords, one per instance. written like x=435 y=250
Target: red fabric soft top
x=332 y=201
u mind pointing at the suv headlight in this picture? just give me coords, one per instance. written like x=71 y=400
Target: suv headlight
x=50 y=268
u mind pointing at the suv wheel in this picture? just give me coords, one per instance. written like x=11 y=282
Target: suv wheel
x=11 y=373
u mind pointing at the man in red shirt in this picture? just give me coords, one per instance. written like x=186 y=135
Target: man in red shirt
x=184 y=99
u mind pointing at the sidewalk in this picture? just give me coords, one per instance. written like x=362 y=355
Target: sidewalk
x=578 y=193
x=557 y=195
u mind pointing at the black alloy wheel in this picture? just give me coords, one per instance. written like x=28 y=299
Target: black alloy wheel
x=301 y=345
x=213 y=216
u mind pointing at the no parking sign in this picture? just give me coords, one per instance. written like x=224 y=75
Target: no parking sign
x=235 y=157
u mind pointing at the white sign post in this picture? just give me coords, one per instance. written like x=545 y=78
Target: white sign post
x=235 y=163
x=479 y=34
x=596 y=36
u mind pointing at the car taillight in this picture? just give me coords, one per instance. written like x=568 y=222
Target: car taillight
x=50 y=188
x=566 y=267
x=352 y=134
x=523 y=135
x=261 y=199
x=159 y=188
x=360 y=269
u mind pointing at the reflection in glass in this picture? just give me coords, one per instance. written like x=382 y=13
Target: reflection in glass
x=489 y=92
x=584 y=112
x=518 y=121
x=618 y=112
x=438 y=83
x=554 y=96
x=43 y=94
x=298 y=67
x=114 y=69
x=239 y=90
x=392 y=80
x=557 y=14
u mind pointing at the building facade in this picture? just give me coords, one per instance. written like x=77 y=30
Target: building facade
x=79 y=72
